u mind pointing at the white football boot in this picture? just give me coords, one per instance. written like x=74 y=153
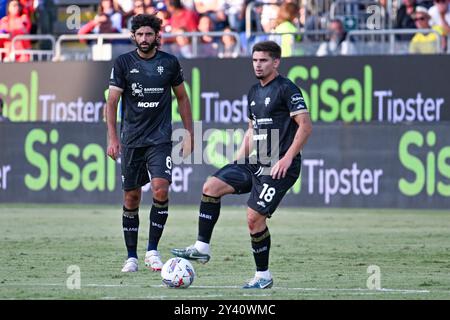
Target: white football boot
x=153 y=260
x=131 y=265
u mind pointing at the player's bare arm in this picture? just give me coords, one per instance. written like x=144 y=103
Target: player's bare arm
x=247 y=143
x=184 y=108
x=301 y=137
x=113 y=149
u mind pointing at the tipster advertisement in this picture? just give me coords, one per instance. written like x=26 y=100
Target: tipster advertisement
x=381 y=134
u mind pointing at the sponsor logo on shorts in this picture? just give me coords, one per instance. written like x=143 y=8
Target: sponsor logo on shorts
x=261 y=204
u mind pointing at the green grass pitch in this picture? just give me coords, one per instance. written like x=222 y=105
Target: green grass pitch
x=316 y=254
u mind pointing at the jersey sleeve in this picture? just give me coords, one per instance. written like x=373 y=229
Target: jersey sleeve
x=249 y=104
x=294 y=100
x=178 y=77
x=117 y=78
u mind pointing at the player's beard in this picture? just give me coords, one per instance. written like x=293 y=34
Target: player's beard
x=260 y=76
x=150 y=47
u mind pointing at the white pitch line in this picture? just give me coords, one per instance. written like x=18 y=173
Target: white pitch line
x=360 y=290
x=356 y=289
x=162 y=297
x=111 y=285
x=319 y=289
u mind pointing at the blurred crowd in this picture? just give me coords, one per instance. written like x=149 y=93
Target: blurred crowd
x=282 y=21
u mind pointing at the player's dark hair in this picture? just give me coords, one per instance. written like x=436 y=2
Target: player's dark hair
x=271 y=47
x=146 y=20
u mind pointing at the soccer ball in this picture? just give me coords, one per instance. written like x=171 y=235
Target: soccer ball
x=177 y=273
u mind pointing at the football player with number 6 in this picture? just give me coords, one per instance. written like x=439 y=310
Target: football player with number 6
x=144 y=78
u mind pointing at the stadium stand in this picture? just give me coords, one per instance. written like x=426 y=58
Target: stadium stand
x=70 y=30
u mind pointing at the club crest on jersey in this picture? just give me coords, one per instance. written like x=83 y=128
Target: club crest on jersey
x=137 y=89
x=160 y=69
x=134 y=70
x=252 y=103
x=267 y=101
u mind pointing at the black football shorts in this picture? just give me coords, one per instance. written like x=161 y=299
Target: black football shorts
x=138 y=163
x=265 y=193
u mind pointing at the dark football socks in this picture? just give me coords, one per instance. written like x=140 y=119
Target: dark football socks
x=158 y=218
x=208 y=216
x=130 y=225
x=261 y=248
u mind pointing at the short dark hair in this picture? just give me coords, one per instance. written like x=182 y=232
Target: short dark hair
x=146 y=20
x=176 y=4
x=271 y=47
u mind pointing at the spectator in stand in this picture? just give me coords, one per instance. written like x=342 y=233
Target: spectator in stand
x=138 y=8
x=27 y=7
x=164 y=15
x=148 y=3
x=107 y=20
x=180 y=17
x=126 y=9
x=45 y=18
x=269 y=14
x=440 y=16
x=208 y=45
x=228 y=46
x=15 y=23
x=182 y=48
x=338 y=44
x=215 y=9
x=424 y=43
x=404 y=15
x=309 y=19
x=235 y=14
x=288 y=42
x=404 y=18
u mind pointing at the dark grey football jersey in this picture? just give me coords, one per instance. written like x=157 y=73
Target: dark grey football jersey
x=271 y=109
x=146 y=96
